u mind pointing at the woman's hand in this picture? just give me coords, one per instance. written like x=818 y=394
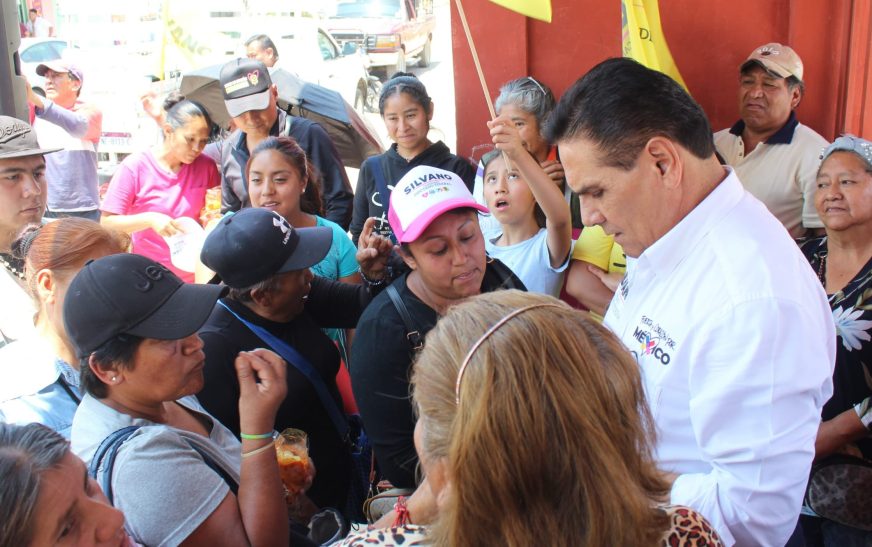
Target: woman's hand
x=373 y=251
x=506 y=137
x=262 y=388
x=163 y=224
x=833 y=435
x=152 y=107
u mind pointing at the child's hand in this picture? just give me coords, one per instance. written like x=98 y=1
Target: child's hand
x=506 y=137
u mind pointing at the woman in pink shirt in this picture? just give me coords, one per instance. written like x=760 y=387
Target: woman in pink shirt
x=154 y=188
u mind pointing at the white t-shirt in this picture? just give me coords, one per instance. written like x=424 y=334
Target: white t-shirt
x=531 y=262
x=162 y=485
x=42 y=27
x=736 y=345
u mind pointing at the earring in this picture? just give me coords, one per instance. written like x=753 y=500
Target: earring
x=114 y=378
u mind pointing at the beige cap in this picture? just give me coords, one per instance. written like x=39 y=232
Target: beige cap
x=776 y=58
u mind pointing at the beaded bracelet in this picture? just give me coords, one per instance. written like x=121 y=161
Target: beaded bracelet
x=376 y=282
x=257 y=451
x=247 y=437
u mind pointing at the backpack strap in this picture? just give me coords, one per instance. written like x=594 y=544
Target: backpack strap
x=108 y=450
x=413 y=335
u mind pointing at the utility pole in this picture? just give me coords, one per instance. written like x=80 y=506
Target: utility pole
x=13 y=91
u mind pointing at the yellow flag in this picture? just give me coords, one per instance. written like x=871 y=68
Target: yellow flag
x=643 y=38
x=191 y=39
x=537 y=9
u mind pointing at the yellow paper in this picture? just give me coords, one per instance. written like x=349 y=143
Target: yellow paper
x=643 y=39
x=537 y=9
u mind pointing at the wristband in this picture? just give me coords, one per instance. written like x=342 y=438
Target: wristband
x=376 y=282
x=247 y=437
x=257 y=451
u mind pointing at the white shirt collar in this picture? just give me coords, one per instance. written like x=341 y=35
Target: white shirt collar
x=667 y=252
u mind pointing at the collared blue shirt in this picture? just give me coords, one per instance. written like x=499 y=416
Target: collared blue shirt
x=38 y=387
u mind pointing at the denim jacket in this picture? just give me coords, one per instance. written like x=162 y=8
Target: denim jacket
x=37 y=386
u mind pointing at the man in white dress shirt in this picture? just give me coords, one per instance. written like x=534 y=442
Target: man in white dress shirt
x=731 y=329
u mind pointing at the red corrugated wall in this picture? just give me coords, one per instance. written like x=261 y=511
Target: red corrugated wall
x=708 y=39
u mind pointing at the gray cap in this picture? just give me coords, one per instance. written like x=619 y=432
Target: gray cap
x=18 y=140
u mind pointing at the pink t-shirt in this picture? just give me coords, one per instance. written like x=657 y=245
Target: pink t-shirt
x=140 y=185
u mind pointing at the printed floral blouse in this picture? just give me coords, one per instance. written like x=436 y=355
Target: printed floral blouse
x=852 y=313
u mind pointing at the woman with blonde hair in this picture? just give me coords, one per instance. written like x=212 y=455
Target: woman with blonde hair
x=39 y=374
x=533 y=430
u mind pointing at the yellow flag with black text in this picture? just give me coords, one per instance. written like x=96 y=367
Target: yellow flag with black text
x=191 y=39
x=643 y=39
x=537 y=9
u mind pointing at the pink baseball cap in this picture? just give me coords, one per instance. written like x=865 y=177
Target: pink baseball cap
x=421 y=196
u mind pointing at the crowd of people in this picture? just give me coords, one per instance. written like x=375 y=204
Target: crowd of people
x=620 y=328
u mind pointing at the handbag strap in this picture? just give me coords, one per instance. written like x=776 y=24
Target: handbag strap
x=413 y=335
x=303 y=366
x=108 y=450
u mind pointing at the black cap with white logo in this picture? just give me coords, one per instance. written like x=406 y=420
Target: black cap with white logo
x=253 y=245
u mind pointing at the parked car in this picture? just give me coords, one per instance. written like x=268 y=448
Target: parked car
x=34 y=51
x=391 y=32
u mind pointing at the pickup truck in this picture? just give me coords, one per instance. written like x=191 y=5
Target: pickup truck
x=389 y=31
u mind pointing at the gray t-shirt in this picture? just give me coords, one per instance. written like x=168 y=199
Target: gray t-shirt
x=162 y=485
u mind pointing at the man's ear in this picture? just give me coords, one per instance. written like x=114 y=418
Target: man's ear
x=795 y=96
x=663 y=157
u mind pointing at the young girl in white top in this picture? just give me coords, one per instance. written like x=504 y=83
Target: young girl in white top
x=535 y=234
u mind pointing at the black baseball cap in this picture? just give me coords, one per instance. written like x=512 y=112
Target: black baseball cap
x=131 y=294
x=254 y=244
x=18 y=140
x=246 y=85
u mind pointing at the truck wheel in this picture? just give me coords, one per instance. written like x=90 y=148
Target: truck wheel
x=372 y=98
x=360 y=98
x=399 y=67
x=424 y=58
